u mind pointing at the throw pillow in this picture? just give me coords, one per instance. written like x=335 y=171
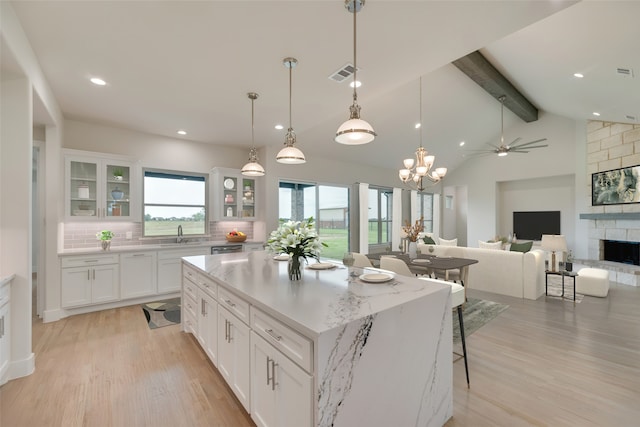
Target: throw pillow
x=428 y=240
x=490 y=245
x=453 y=242
x=521 y=247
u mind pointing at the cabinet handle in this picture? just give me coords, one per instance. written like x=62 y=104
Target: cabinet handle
x=226 y=330
x=273 y=374
x=268 y=375
x=2 y=327
x=139 y=254
x=228 y=301
x=89 y=274
x=91 y=260
x=202 y=307
x=273 y=334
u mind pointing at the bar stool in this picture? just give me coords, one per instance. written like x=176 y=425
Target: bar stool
x=457 y=299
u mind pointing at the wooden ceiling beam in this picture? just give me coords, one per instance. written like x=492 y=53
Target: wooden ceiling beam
x=476 y=66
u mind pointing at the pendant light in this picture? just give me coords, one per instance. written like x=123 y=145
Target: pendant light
x=252 y=168
x=354 y=131
x=414 y=172
x=290 y=154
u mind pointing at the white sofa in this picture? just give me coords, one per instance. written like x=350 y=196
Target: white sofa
x=515 y=274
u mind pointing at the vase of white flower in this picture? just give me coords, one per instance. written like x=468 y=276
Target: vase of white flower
x=298 y=239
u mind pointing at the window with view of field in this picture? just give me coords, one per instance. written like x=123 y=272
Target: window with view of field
x=174 y=199
x=329 y=205
x=425 y=211
x=380 y=208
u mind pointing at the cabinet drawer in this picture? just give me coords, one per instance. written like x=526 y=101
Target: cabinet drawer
x=190 y=305
x=189 y=288
x=87 y=261
x=189 y=272
x=207 y=285
x=189 y=323
x=235 y=304
x=293 y=344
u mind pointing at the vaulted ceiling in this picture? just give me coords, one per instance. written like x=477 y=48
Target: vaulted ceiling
x=188 y=65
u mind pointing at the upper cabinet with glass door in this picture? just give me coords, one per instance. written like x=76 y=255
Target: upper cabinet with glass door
x=99 y=188
x=233 y=195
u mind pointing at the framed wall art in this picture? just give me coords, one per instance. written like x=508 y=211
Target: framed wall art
x=616 y=187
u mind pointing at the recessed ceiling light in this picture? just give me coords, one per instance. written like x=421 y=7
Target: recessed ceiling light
x=578 y=75
x=418 y=125
x=358 y=83
x=461 y=143
x=279 y=127
x=97 y=81
x=182 y=132
x=595 y=113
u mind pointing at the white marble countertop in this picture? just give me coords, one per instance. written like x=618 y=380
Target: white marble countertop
x=6 y=279
x=322 y=300
x=151 y=247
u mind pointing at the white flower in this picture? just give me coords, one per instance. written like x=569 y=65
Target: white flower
x=296 y=238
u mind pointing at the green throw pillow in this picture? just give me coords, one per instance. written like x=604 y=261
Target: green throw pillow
x=521 y=247
x=428 y=240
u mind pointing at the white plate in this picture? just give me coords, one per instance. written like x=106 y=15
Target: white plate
x=229 y=184
x=421 y=261
x=388 y=256
x=281 y=257
x=321 y=266
x=376 y=277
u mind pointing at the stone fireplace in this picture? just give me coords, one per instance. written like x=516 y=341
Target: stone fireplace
x=612 y=146
x=622 y=252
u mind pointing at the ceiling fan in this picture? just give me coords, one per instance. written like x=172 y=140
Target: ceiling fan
x=513 y=147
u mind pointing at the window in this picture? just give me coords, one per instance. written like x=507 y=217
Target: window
x=329 y=205
x=380 y=208
x=173 y=199
x=425 y=210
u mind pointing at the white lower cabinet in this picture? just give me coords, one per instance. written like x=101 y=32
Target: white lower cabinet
x=90 y=280
x=208 y=326
x=280 y=391
x=5 y=328
x=234 y=355
x=138 y=274
x=169 y=267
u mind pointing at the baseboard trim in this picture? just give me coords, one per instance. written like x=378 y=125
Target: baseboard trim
x=52 y=315
x=22 y=368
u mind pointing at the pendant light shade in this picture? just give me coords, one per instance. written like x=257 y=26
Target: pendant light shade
x=355 y=131
x=290 y=154
x=252 y=168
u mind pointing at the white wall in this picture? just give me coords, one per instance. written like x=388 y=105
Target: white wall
x=482 y=174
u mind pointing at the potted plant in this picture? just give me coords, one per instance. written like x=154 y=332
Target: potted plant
x=105 y=237
x=117 y=174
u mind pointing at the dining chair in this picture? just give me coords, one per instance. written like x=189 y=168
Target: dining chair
x=457 y=299
x=454 y=275
x=396 y=265
x=361 y=260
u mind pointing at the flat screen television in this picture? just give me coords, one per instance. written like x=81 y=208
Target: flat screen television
x=532 y=225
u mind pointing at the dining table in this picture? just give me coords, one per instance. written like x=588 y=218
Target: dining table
x=422 y=264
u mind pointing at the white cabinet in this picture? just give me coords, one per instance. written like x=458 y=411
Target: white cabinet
x=250 y=247
x=281 y=392
x=234 y=355
x=89 y=280
x=5 y=329
x=99 y=188
x=233 y=196
x=138 y=274
x=208 y=326
x=170 y=270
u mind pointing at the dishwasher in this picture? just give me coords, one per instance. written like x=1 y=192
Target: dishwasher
x=225 y=249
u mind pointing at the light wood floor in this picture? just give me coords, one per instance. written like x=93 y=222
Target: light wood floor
x=540 y=363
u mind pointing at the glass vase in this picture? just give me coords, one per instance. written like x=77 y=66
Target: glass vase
x=106 y=244
x=294 y=268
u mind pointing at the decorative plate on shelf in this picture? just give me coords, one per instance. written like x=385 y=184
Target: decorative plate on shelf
x=229 y=184
x=376 y=277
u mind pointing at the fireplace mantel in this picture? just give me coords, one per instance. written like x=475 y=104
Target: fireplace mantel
x=619 y=215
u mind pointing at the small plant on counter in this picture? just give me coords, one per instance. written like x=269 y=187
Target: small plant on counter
x=299 y=239
x=105 y=235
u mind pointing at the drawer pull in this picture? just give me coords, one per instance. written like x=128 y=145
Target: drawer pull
x=228 y=301
x=90 y=260
x=273 y=334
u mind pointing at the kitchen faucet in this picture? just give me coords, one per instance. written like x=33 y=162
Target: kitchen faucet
x=179 y=238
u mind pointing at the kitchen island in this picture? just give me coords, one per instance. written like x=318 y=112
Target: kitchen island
x=329 y=350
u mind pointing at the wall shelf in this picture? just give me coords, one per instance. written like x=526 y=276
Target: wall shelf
x=611 y=216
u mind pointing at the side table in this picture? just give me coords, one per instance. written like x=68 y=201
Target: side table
x=562 y=273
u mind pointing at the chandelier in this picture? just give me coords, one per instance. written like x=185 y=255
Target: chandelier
x=415 y=171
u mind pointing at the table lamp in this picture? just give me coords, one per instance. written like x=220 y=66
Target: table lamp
x=553 y=243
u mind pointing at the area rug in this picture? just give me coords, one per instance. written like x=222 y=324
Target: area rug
x=162 y=313
x=476 y=313
x=554 y=290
